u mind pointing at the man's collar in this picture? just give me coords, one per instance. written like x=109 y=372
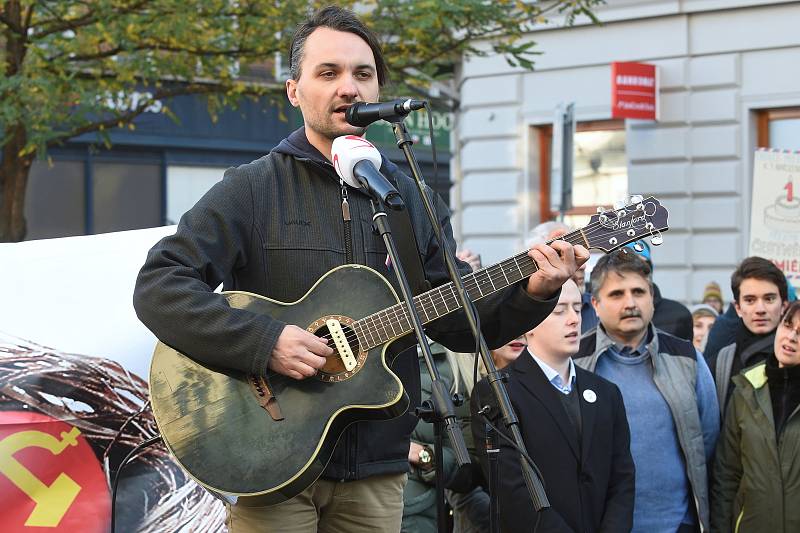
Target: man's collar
x=605 y=342
x=553 y=376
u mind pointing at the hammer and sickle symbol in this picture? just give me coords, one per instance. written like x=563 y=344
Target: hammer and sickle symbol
x=53 y=501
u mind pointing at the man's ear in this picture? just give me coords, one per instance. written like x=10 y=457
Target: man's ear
x=594 y=303
x=291 y=92
x=738 y=309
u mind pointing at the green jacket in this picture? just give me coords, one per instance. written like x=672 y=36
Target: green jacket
x=419 y=496
x=756 y=484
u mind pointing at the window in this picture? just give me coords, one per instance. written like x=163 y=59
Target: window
x=779 y=128
x=186 y=185
x=600 y=171
x=55 y=202
x=126 y=196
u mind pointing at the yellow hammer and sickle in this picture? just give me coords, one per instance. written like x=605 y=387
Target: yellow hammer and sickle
x=52 y=502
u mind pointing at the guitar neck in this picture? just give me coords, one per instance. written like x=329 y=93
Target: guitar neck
x=393 y=322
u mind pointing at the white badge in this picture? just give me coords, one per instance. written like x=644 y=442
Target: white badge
x=589 y=396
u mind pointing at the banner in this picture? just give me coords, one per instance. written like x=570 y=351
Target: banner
x=775 y=211
x=73 y=394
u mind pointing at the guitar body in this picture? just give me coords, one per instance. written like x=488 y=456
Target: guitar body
x=216 y=426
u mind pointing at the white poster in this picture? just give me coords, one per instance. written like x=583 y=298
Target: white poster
x=775 y=211
x=73 y=394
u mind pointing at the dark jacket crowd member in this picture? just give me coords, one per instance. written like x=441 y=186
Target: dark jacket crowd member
x=757 y=471
x=668 y=393
x=574 y=427
x=274 y=227
x=759 y=296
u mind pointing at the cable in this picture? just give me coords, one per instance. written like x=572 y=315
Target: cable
x=117 y=476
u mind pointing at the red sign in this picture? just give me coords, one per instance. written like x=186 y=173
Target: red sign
x=50 y=478
x=634 y=91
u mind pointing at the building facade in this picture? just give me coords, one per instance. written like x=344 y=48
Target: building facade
x=155 y=171
x=729 y=83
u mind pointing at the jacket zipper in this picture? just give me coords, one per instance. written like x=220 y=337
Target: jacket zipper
x=348 y=230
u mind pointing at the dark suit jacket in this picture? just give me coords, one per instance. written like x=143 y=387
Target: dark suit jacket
x=589 y=482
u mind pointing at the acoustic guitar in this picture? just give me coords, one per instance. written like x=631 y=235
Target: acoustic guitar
x=264 y=439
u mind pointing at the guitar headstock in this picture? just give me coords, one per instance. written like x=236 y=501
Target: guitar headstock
x=638 y=219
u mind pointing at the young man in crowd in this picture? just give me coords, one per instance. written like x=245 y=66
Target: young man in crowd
x=668 y=393
x=244 y=234
x=574 y=427
x=759 y=297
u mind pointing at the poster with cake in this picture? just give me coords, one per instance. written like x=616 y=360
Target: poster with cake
x=775 y=210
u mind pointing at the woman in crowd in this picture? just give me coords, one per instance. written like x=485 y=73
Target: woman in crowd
x=756 y=484
x=703 y=317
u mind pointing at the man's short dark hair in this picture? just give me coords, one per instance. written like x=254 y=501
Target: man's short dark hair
x=620 y=262
x=759 y=268
x=339 y=19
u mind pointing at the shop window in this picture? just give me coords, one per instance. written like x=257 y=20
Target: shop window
x=55 y=201
x=779 y=128
x=186 y=185
x=600 y=171
x=125 y=196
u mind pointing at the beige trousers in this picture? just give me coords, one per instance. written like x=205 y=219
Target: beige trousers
x=369 y=505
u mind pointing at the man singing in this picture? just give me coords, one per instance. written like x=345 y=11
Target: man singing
x=574 y=427
x=274 y=227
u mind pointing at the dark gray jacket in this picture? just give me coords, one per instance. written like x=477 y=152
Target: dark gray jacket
x=273 y=227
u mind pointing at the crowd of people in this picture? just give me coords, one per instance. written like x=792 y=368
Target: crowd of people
x=642 y=415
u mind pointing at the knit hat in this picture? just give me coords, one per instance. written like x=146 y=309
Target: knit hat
x=703 y=310
x=712 y=290
x=644 y=253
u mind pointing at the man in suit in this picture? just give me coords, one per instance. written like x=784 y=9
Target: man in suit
x=574 y=427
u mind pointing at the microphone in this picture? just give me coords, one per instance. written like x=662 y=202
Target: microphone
x=357 y=162
x=362 y=114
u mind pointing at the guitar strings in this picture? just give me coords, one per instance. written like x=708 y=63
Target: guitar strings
x=491 y=273
x=446 y=292
x=471 y=282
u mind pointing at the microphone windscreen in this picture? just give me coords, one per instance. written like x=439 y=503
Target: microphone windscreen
x=348 y=150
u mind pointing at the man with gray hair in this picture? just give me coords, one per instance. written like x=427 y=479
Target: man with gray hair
x=668 y=393
x=552 y=229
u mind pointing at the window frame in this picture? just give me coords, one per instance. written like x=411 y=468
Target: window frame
x=765 y=116
x=545 y=154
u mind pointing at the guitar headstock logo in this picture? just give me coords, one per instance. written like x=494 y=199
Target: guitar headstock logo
x=613 y=228
x=49 y=476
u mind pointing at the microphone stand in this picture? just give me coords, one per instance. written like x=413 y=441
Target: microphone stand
x=495 y=378
x=439 y=408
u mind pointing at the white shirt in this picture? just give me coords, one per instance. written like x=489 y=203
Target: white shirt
x=554 y=377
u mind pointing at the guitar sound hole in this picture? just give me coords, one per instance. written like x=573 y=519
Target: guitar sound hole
x=334 y=369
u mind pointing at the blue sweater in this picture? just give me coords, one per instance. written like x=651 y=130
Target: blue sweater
x=663 y=496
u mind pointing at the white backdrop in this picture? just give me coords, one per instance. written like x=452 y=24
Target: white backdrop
x=75 y=294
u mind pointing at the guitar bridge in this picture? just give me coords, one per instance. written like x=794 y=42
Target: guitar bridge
x=267 y=400
x=342 y=346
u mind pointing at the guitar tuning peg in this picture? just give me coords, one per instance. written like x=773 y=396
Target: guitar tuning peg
x=619 y=204
x=657 y=239
x=600 y=210
x=636 y=199
x=638 y=247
